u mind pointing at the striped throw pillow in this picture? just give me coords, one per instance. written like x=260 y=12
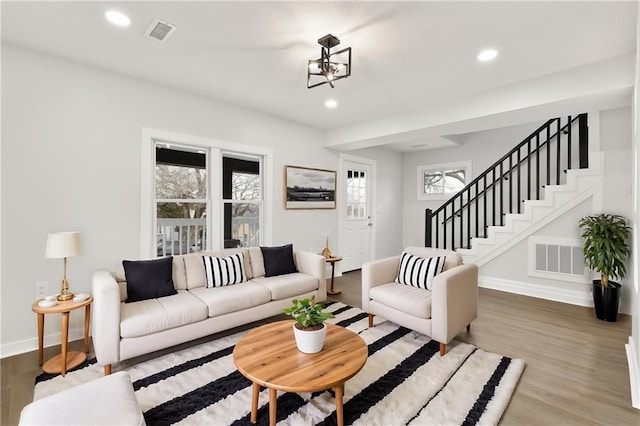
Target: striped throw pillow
x=419 y=271
x=221 y=271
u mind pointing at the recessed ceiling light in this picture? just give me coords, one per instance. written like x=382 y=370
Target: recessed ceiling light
x=487 y=55
x=117 y=18
x=331 y=103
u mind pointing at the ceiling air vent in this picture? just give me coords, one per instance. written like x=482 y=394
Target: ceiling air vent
x=160 y=30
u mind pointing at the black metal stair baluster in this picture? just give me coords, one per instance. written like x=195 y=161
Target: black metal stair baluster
x=493 y=198
x=453 y=223
x=538 y=166
x=501 y=196
x=569 y=143
x=477 y=213
x=511 y=183
x=548 y=155
x=519 y=184
x=484 y=205
x=529 y=169
x=559 y=133
x=468 y=218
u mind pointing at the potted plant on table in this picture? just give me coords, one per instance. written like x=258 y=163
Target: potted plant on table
x=309 y=328
x=606 y=250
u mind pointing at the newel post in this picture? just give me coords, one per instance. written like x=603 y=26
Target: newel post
x=427 y=227
x=583 y=141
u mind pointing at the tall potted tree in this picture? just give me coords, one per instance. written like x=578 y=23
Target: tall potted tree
x=606 y=250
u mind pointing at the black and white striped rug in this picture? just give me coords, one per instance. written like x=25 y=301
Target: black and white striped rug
x=404 y=381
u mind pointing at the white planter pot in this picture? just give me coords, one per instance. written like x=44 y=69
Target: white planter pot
x=310 y=342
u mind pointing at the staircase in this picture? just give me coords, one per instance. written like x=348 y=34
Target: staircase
x=540 y=179
x=581 y=184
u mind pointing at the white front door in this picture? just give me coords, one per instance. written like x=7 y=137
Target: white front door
x=356 y=214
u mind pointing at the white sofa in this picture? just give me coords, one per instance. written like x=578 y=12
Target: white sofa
x=440 y=313
x=125 y=330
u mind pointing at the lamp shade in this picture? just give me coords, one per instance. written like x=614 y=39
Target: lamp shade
x=62 y=244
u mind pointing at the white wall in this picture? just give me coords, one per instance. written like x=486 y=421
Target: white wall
x=71 y=161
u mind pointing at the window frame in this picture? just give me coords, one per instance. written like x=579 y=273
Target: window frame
x=215 y=220
x=422 y=170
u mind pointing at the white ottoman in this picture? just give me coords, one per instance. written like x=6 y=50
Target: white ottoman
x=109 y=400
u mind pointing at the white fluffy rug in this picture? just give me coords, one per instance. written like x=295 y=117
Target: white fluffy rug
x=404 y=381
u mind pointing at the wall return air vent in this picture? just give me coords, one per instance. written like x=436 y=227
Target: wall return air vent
x=160 y=30
x=557 y=259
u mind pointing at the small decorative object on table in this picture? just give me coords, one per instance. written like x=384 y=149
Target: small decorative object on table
x=309 y=328
x=325 y=251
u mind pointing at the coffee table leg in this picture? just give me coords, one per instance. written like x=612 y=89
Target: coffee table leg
x=273 y=400
x=339 y=394
x=254 y=402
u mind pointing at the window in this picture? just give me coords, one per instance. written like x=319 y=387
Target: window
x=181 y=200
x=242 y=198
x=202 y=194
x=441 y=181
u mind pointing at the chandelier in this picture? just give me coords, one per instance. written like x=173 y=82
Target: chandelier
x=330 y=66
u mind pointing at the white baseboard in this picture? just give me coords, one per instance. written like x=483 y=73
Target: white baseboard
x=634 y=372
x=28 y=345
x=548 y=292
x=555 y=293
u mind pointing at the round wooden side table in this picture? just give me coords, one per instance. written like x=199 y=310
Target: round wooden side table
x=65 y=360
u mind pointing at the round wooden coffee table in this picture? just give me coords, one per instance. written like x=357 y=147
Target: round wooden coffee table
x=268 y=356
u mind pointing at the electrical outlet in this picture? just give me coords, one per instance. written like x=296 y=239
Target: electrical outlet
x=41 y=289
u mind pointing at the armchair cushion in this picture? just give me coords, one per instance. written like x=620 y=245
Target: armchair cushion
x=418 y=271
x=408 y=299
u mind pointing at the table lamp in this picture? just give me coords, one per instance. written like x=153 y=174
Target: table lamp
x=63 y=245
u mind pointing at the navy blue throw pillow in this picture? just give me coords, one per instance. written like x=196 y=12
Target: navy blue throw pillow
x=278 y=260
x=148 y=279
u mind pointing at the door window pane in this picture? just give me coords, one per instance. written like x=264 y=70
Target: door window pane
x=356 y=194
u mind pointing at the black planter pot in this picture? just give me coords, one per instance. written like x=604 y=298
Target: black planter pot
x=606 y=300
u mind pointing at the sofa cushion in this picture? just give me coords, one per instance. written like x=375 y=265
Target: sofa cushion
x=257 y=261
x=194 y=267
x=278 y=260
x=223 y=300
x=419 y=271
x=154 y=315
x=289 y=285
x=221 y=271
x=411 y=300
x=148 y=279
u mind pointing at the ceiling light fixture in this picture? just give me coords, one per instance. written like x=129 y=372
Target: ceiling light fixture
x=331 y=66
x=117 y=18
x=331 y=103
x=487 y=55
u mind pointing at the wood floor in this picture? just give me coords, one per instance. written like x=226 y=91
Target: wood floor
x=575 y=374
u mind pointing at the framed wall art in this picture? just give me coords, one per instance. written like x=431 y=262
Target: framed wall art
x=307 y=188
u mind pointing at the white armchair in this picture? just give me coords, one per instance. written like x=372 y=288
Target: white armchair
x=440 y=313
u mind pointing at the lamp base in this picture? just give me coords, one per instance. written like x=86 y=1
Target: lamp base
x=65 y=295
